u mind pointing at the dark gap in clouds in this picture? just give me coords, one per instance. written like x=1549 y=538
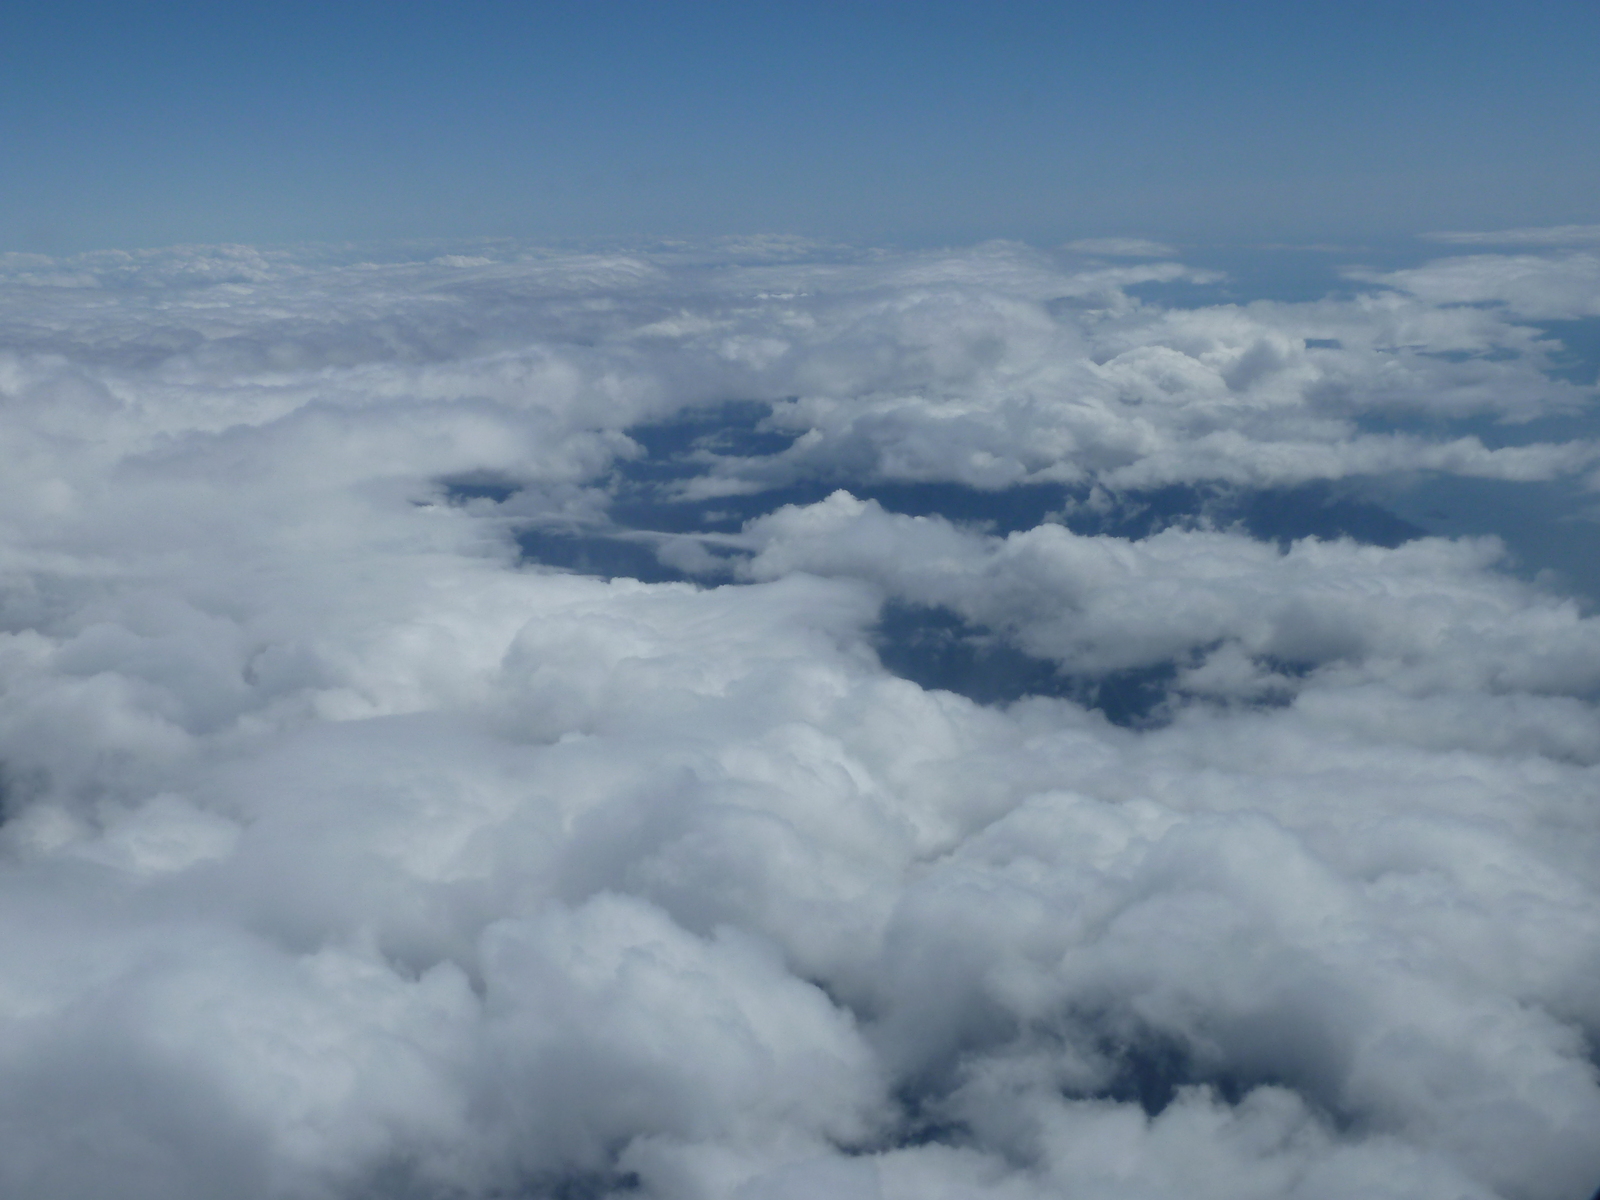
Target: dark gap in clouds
x=686 y=446
x=1552 y=529
x=1285 y=274
x=934 y=648
x=1008 y=511
x=732 y=428
x=1016 y=508
x=1178 y=293
x=937 y=648
x=1317 y=509
x=1288 y=667
x=1578 y=360
x=597 y=554
x=1134 y=697
x=922 y=1122
x=644 y=509
x=587 y=1185
x=1290 y=274
x=1151 y=1068
x=482 y=485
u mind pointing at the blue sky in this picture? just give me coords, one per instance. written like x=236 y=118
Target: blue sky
x=133 y=124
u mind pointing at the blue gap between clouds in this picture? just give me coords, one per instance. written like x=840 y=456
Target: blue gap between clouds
x=932 y=646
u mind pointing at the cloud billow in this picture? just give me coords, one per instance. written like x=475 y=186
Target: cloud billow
x=454 y=740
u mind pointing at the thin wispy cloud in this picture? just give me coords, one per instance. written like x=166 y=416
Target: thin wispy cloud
x=1122 y=247
x=1558 y=235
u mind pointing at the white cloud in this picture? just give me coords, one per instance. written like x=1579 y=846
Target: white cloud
x=1122 y=247
x=345 y=853
x=1534 y=287
x=1548 y=235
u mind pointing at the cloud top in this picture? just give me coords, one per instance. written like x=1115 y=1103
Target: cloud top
x=753 y=720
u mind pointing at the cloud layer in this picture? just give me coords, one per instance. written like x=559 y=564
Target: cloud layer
x=468 y=728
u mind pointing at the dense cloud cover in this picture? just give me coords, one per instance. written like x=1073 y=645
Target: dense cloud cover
x=768 y=720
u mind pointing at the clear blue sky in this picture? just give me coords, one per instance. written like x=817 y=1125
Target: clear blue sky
x=134 y=124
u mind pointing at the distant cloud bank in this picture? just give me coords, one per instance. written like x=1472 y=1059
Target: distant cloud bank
x=1122 y=247
x=1553 y=235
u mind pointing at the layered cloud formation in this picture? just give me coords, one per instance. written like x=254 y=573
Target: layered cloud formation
x=766 y=720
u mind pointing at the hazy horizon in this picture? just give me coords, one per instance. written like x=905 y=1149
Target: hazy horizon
x=914 y=124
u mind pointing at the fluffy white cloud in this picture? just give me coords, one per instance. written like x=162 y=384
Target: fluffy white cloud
x=1421 y=616
x=349 y=851
x=1534 y=287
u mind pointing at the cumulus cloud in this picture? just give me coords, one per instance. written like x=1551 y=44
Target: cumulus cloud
x=1537 y=287
x=760 y=720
